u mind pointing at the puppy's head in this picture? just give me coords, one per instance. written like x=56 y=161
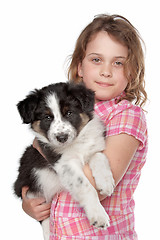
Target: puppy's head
x=58 y=112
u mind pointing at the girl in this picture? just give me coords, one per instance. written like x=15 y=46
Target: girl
x=108 y=58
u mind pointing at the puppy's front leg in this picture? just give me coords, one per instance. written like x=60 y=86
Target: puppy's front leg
x=74 y=181
x=102 y=173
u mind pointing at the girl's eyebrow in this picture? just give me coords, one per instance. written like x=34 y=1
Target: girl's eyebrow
x=99 y=54
x=120 y=57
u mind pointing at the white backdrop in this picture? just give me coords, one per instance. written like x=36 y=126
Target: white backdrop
x=35 y=38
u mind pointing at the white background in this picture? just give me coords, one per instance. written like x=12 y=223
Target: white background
x=35 y=39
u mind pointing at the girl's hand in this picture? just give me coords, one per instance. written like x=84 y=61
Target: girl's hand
x=37 y=208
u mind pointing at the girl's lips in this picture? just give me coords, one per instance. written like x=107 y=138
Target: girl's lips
x=103 y=84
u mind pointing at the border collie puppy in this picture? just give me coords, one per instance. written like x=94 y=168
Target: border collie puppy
x=70 y=135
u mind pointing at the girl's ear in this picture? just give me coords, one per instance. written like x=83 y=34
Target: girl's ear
x=80 y=72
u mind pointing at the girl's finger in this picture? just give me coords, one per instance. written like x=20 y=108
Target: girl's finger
x=43 y=217
x=44 y=206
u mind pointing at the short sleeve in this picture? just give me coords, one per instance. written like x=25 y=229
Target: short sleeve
x=128 y=119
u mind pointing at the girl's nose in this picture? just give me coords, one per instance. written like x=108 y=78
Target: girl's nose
x=106 y=71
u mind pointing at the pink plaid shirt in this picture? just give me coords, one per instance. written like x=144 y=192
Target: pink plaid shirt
x=68 y=220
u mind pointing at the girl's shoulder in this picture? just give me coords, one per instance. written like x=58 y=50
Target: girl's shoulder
x=127 y=107
x=123 y=117
x=107 y=110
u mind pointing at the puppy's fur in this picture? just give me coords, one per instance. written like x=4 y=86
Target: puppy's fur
x=70 y=135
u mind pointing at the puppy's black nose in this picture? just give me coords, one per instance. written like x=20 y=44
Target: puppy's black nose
x=62 y=138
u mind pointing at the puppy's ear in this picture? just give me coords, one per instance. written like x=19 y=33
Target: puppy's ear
x=28 y=106
x=85 y=97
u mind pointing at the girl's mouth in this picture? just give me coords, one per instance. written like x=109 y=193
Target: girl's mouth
x=104 y=84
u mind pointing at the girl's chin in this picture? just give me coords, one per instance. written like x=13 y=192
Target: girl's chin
x=101 y=97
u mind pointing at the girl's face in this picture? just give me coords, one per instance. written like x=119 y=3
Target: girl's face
x=102 y=68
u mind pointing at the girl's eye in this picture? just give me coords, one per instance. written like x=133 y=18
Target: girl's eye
x=118 y=63
x=96 y=60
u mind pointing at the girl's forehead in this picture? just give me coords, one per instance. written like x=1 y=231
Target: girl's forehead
x=103 y=43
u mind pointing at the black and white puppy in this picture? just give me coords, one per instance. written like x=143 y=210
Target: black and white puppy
x=70 y=135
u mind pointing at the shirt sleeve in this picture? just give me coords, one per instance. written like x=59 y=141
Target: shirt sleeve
x=130 y=120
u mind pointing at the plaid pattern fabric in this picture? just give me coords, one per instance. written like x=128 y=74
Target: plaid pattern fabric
x=68 y=220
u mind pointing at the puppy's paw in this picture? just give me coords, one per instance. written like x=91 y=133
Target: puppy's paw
x=99 y=218
x=107 y=187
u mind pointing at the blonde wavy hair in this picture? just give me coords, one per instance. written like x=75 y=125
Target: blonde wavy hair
x=125 y=33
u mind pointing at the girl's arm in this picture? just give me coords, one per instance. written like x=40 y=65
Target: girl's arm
x=119 y=150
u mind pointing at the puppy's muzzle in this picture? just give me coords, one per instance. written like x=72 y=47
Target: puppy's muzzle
x=62 y=138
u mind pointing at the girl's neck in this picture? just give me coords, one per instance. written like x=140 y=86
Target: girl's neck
x=117 y=98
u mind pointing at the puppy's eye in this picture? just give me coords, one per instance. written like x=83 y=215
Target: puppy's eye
x=68 y=114
x=48 y=117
